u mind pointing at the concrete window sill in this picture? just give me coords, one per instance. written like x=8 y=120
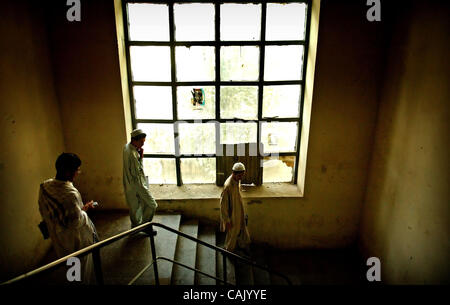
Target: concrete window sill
x=212 y=191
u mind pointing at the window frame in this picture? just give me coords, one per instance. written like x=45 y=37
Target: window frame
x=217 y=83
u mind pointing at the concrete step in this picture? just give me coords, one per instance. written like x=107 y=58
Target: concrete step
x=231 y=275
x=165 y=244
x=206 y=257
x=260 y=276
x=186 y=253
x=123 y=259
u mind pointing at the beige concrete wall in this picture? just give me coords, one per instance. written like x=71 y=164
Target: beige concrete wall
x=308 y=96
x=88 y=82
x=30 y=132
x=406 y=213
x=123 y=67
x=340 y=140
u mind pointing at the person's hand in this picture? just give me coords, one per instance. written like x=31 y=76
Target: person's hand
x=88 y=205
x=141 y=152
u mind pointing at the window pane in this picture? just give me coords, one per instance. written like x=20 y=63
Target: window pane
x=159 y=138
x=153 y=102
x=240 y=22
x=286 y=21
x=239 y=102
x=195 y=63
x=160 y=171
x=235 y=133
x=194 y=22
x=186 y=109
x=283 y=63
x=197 y=138
x=198 y=170
x=150 y=63
x=239 y=63
x=148 y=22
x=279 y=169
x=281 y=101
x=279 y=137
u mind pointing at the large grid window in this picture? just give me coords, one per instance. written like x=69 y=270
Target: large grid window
x=206 y=73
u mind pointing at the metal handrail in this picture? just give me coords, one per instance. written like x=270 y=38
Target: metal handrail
x=223 y=251
x=95 y=250
x=177 y=263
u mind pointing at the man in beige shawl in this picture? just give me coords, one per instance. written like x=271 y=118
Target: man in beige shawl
x=232 y=213
x=64 y=213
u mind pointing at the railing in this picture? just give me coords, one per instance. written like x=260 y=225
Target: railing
x=95 y=250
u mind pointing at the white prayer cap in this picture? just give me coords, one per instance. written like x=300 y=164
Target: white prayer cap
x=137 y=132
x=238 y=167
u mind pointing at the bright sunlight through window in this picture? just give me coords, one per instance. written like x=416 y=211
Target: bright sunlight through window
x=209 y=73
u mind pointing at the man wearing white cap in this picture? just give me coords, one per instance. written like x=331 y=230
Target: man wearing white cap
x=141 y=203
x=232 y=213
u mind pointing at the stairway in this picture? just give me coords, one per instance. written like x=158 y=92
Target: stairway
x=210 y=261
x=124 y=259
x=122 y=262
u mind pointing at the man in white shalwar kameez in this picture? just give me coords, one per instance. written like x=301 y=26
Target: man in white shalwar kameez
x=232 y=212
x=64 y=213
x=141 y=203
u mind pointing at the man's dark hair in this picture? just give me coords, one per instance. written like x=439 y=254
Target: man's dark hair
x=67 y=162
x=138 y=137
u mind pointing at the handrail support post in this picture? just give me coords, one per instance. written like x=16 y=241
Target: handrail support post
x=224 y=260
x=152 y=247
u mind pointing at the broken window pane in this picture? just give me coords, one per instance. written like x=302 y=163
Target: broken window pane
x=235 y=133
x=159 y=138
x=286 y=21
x=239 y=63
x=281 y=101
x=153 y=102
x=283 y=63
x=194 y=22
x=195 y=63
x=239 y=102
x=149 y=22
x=150 y=63
x=198 y=170
x=160 y=171
x=278 y=169
x=186 y=109
x=279 y=136
x=240 y=22
x=197 y=138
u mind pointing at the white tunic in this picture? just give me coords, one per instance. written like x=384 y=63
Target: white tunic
x=232 y=211
x=141 y=203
